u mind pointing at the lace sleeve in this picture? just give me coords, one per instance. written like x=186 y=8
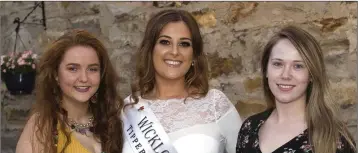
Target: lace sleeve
x=221 y=102
x=228 y=119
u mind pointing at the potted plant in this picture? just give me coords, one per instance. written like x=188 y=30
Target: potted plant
x=18 y=71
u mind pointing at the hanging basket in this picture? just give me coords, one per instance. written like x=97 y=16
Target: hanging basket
x=18 y=71
x=19 y=83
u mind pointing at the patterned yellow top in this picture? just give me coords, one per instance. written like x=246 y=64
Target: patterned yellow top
x=74 y=147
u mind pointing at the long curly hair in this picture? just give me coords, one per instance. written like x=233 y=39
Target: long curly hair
x=196 y=77
x=107 y=126
x=324 y=125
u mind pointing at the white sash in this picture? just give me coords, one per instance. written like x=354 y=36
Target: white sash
x=144 y=132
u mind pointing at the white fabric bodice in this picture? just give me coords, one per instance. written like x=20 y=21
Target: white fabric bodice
x=175 y=114
x=206 y=125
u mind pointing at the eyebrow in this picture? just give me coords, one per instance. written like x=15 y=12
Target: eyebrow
x=282 y=60
x=171 y=37
x=76 y=64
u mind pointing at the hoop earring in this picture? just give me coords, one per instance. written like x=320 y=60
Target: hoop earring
x=94 y=98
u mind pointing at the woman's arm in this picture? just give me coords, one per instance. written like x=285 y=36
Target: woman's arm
x=28 y=142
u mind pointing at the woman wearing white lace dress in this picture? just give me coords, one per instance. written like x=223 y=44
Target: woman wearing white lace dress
x=171 y=109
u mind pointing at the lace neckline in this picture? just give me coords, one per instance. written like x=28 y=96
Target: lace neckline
x=175 y=113
x=167 y=100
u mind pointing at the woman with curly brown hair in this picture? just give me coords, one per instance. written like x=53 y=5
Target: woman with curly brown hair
x=171 y=108
x=77 y=105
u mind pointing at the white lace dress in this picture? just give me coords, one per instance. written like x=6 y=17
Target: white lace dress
x=206 y=125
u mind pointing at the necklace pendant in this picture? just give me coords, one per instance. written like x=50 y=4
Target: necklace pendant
x=82 y=131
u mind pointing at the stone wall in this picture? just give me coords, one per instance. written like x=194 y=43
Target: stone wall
x=234 y=34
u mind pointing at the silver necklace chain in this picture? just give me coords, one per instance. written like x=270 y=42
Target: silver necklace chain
x=75 y=125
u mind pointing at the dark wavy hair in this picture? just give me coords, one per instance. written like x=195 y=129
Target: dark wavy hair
x=196 y=77
x=107 y=125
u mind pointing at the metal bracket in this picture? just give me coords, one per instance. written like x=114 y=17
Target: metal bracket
x=19 y=23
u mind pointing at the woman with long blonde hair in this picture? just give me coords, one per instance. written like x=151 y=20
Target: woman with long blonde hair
x=300 y=116
x=77 y=105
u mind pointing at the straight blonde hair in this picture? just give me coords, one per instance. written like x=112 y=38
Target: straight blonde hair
x=325 y=128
